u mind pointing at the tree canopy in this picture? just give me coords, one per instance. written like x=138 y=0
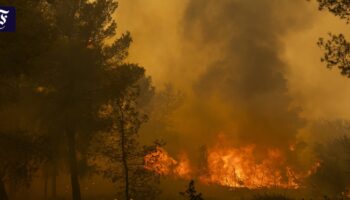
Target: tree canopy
x=336 y=47
x=62 y=68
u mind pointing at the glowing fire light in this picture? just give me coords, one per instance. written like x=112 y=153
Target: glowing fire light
x=161 y=163
x=239 y=168
x=232 y=167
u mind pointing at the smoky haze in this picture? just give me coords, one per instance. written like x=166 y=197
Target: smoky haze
x=247 y=75
x=238 y=89
x=250 y=70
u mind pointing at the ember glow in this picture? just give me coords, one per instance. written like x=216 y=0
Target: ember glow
x=232 y=167
x=162 y=163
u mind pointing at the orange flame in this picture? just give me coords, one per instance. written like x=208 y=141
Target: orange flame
x=239 y=168
x=161 y=163
x=232 y=167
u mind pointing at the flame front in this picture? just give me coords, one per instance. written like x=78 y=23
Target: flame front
x=161 y=163
x=231 y=167
x=239 y=168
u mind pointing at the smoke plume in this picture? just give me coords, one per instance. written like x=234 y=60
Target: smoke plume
x=245 y=76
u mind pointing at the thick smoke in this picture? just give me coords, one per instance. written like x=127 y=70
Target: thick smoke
x=246 y=76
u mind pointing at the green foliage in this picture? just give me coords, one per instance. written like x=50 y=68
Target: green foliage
x=191 y=192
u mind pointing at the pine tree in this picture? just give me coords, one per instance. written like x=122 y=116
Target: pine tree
x=79 y=73
x=121 y=149
x=19 y=146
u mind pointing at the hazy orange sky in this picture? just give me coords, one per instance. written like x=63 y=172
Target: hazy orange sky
x=174 y=50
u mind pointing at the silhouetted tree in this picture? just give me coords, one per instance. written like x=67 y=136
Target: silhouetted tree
x=80 y=73
x=340 y=8
x=120 y=148
x=191 y=193
x=62 y=65
x=19 y=148
x=331 y=176
x=19 y=49
x=337 y=48
x=20 y=158
x=128 y=121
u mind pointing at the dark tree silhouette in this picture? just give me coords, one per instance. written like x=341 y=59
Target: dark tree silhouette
x=20 y=156
x=60 y=66
x=128 y=122
x=332 y=177
x=340 y=8
x=337 y=48
x=337 y=53
x=19 y=147
x=191 y=192
x=121 y=149
x=18 y=50
x=79 y=73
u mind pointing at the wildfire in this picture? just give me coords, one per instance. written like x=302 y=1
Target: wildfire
x=231 y=167
x=239 y=168
x=161 y=163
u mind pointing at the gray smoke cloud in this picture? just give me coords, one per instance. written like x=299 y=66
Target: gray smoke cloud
x=247 y=73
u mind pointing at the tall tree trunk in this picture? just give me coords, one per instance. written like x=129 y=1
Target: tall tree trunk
x=126 y=168
x=46 y=177
x=124 y=154
x=3 y=194
x=54 y=181
x=73 y=166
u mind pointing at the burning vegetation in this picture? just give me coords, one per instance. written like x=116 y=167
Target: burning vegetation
x=232 y=167
x=162 y=163
x=77 y=114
